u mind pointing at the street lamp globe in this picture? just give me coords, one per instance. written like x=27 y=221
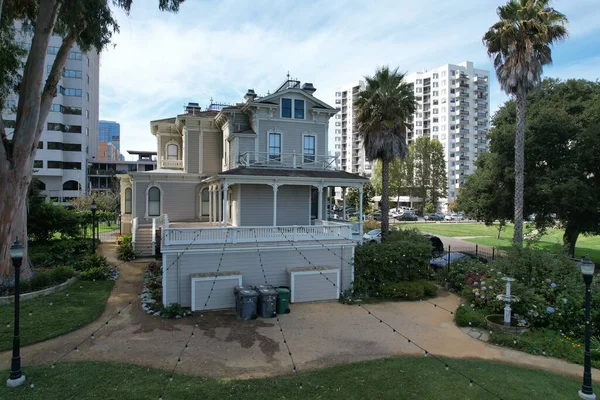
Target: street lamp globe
x=17 y=250
x=587 y=266
x=94 y=206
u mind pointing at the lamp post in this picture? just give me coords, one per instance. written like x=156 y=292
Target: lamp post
x=93 y=207
x=16 y=378
x=587 y=269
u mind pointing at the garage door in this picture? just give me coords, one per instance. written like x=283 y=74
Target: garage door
x=222 y=293
x=314 y=284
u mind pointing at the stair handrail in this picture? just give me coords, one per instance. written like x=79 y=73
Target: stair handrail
x=134 y=226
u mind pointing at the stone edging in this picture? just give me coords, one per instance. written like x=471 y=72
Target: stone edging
x=44 y=292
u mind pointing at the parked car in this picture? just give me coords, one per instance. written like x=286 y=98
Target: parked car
x=434 y=217
x=445 y=259
x=377 y=215
x=407 y=216
x=454 y=217
x=373 y=236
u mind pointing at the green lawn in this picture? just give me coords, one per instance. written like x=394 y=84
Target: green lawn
x=398 y=378
x=41 y=321
x=552 y=240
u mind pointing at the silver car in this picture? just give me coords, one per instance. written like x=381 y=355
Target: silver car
x=373 y=236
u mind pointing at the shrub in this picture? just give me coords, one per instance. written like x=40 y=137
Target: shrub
x=172 y=310
x=153 y=266
x=58 y=252
x=370 y=224
x=403 y=257
x=125 y=250
x=62 y=274
x=430 y=289
x=469 y=316
x=40 y=280
x=92 y=261
x=96 y=273
x=408 y=290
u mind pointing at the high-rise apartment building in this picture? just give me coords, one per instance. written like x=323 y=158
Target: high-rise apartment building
x=70 y=134
x=453 y=107
x=347 y=144
x=109 y=141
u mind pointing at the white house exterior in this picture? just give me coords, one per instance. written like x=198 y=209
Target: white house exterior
x=241 y=190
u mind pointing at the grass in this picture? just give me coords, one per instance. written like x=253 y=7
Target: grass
x=397 y=378
x=551 y=241
x=82 y=303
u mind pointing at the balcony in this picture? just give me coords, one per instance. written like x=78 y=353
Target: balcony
x=481 y=87
x=462 y=112
x=171 y=164
x=481 y=114
x=463 y=76
x=462 y=140
x=259 y=159
x=482 y=105
x=462 y=94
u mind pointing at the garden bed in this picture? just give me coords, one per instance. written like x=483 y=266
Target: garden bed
x=43 y=292
x=151 y=297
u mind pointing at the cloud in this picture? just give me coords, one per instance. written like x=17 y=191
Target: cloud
x=219 y=49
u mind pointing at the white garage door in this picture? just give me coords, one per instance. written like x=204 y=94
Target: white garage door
x=314 y=284
x=222 y=293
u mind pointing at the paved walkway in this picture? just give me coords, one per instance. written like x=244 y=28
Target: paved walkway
x=318 y=334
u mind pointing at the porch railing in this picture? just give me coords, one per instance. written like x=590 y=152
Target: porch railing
x=287 y=160
x=134 y=226
x=245 y=234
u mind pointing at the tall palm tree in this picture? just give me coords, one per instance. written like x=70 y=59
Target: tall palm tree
x=519 y=45
x=383 y=111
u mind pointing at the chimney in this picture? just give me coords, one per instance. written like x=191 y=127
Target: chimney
x=250 y=96
x=309 y=88
x=192 y=108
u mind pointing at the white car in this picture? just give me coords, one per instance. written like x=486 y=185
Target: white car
x=373 y=236
x=454 y=217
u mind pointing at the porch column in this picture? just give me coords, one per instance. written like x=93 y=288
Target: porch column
x=360 y=210
x=220 y=205
x=225 y=203
x=275 y=188
x=210 y=203
x=344 y=203
x=320 y=208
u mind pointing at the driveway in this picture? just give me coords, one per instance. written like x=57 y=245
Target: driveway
x=318 y=334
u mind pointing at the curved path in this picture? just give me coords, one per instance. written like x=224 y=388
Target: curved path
x=319 y=334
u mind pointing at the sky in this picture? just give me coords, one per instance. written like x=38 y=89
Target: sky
x=220 y=48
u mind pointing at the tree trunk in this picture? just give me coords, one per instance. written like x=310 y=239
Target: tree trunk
x=519 y=168
x=570 y=239
x=385 y=207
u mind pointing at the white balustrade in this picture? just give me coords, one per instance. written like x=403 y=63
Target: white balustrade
x=172 y=164
x=134 y=226
x=287 y=160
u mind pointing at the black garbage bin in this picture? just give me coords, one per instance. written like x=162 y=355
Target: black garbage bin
x=236 y=291
x=247 y=300
x=267 y=302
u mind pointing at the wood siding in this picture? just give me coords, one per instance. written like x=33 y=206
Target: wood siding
x=193 y=151
x=211 y=152
x=275 y=263
x=181 y=201
x=221 y=295
x=293 y=205
x=256 y=205
x=314 y=287
x=291 y=135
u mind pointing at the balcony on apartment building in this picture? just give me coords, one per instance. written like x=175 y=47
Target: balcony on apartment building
x=463 y=76
x=462 y=103
x=481 y=105
x=462 y=140
x=480 y=79
x=462 y=85
x=481 y=123
x=462 y=95
x=481 y=87
x=461 y=158
x=481 y=114
x=462 y=112
x=260 y=159
x=462 y=148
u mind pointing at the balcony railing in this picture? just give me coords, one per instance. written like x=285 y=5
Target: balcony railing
x=260 y=159
x=171 y=164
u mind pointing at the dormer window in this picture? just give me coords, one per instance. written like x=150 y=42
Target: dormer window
x=172 y=152
x=292 y=108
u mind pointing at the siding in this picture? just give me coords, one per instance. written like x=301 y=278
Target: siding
x=235 y=217
x=139 y=199
x=211 y=152
x=163 y=143
x=291 y=137
x=314 y=287
x=221 y=296
x=246 y=144
x=246 y=261
x=193 y=151
x=256 y=205
x=293 y=205
x=180 y=200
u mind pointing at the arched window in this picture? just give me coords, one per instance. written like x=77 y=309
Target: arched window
x=153 y=202
x=39 y=184
x=128 y=195
x=172 y=152
x=205 y=201
x=71 y=185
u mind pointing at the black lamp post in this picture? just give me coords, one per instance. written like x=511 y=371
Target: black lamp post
x=16 y=378
x=93 y=207
x=587 y=269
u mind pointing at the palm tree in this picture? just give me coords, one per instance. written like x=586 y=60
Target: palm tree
x=384 y=108
x=519 y=45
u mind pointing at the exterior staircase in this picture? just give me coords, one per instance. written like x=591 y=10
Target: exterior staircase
x=143 y=241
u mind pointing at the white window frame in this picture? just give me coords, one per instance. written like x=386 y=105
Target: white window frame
x=130 y=200
x=165 y=155
x=314 y=155
x=293 y=100
x=278 y=132
x=161 y=205
x=294 y=109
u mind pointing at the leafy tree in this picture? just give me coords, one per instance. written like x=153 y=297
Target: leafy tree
x=45 y=219
x=383 y=109
x=429 y=208
x=104 y=201
x=400 y=182
x=519 y=45
x=352 y=197
x=563 y=179
x=430 y=179
x=90 y=24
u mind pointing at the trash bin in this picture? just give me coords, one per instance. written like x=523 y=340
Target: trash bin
x=258 y=287
x=247 y=300
x=283 y=300
x=236 y=291
x=267 y=302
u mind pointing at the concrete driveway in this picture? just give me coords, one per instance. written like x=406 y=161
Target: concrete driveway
x=318 y=335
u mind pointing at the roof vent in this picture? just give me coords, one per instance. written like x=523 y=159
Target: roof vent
x=250 y=95
x=309 y=88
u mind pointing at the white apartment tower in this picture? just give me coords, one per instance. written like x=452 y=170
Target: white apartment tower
x=347 y=144
x=70 y=134
x=453 y=107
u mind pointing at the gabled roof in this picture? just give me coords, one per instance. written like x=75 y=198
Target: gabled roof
x=267 y=99
x=297 y=172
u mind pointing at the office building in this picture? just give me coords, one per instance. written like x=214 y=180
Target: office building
x=109 y=141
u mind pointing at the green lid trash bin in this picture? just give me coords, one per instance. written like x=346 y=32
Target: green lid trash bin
x=283 y=300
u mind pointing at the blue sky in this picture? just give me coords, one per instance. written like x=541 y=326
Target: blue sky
x=221 y=48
